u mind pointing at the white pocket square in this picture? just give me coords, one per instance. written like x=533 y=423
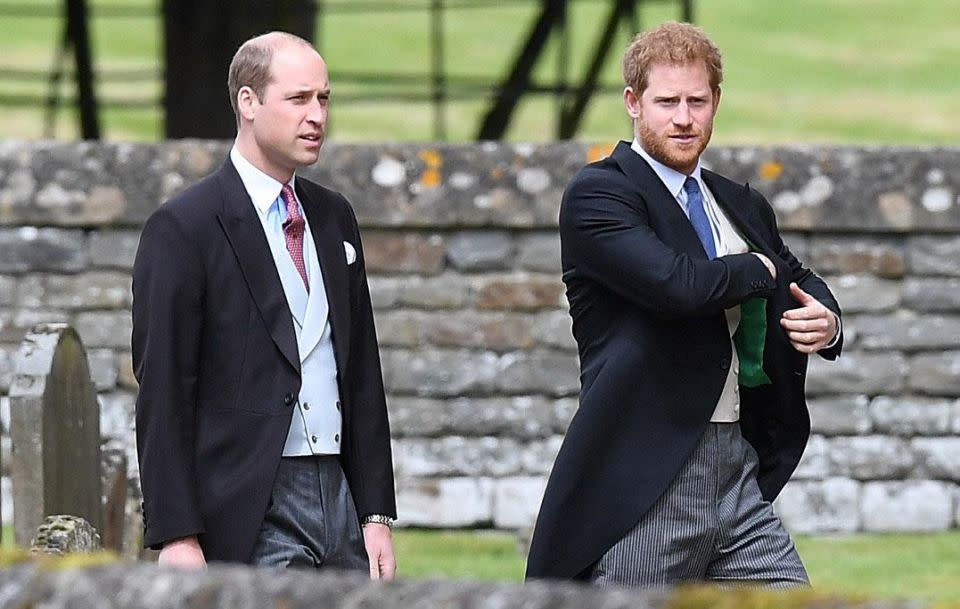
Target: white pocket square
x=350 y=252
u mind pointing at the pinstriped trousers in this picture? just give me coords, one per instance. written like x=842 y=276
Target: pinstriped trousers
x=710 y=524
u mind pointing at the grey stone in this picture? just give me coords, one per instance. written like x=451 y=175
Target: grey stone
x=55 y=429
x=518 y=292
x=910 y=416
x=815 y=462
x=418 y=417
x=883 y=256
x=496 y=331
x=384 y=291
x=554 y=329
x=905 y=330
x=860 y=293
x=936 y=373
x=457 y=456
x=435 y=373
x=517 y=501
x=6 y=367
x=14 y=324
x=42 y=249
x=563 y=410
x=117 y=414
x=103 y=368
x=480 y=250
x=545 y=372
x=940 y=456
x=93 y=290
x=8 y=291
x=538 y=457
x=445 y=502
x=6 y=500
x=539 y=252
x=871 y=457
x=114 y=249
x=65 y=534
x=446 y=291
x=932 y=294
x=858 y=373
x=399 y=328
x=105 y=328
x=525 y=417
x=840 y=415
x=929 y=255
x=826 y=506
x=911 y=506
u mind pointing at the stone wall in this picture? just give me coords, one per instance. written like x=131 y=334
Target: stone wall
x=479 y=363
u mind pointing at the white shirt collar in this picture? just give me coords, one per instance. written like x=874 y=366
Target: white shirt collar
x=670 y=177
x=263 y=189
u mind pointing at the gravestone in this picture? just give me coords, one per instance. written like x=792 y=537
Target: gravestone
x=55 y=432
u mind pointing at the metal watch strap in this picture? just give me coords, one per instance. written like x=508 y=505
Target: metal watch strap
x=377 y=519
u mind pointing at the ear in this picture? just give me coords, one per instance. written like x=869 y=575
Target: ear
x=632 y=102
x=247 y=103
x=716 y=99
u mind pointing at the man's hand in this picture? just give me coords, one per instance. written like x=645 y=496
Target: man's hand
x=767 y=263
x=379 y=543
x=182 y=553
x=810 y=327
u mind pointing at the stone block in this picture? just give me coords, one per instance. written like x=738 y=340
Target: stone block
x=439 y=373
x=384 y=291
x=105 y=328
x=446 y=291
x=29 y=249
x=563 y=410
x=871 y=457
x=538 y=457
x=815 y=461
x=905 y=330
x=114 y=249
x=544 y=372
x=540 y=252
x=92 y=290
x=496 y=331
x=523 y=292
x=858 y=373
x=15 y=323
x=921 y=506
x=932 y=294
x=418 y=417
x=8 y=290
x=882 y=256
x=399 y=328
x=457 y=456
x=517 y=501
x=117 y=414
x=554 y=329
x=911 y=416
x=934 y=255
x=103 y=368
x=940 y=457
x=524 y=417
x=444 y=502
x=401 y=252
x=936 y=373
x=799 y=244
x=827 y=506
x=6 y=366
x=840 y=415
x=126 y=378
x=865 y=293
x=480 y=250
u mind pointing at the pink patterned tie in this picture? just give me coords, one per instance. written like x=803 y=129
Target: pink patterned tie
x=293 y=232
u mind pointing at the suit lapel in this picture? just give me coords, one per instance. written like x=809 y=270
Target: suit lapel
x=333 y=266
x=317 y=306
x=245 y=234
x=662 y=205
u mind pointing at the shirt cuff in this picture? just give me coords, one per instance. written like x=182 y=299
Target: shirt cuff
x=836 y=337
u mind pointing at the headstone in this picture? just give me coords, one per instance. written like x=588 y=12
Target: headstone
x=62 y=534
x=55 y=432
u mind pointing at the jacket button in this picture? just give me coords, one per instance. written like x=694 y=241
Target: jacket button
x=725 y=363
x=336 y=437
x=288 y=399
x=306 y=406
x=313 y=439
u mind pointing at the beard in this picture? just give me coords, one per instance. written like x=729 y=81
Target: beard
x=677 y=156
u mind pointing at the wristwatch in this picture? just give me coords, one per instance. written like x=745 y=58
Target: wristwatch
x=378 y=519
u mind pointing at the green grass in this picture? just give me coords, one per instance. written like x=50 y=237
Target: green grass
x=830 y=71
x=881 y=566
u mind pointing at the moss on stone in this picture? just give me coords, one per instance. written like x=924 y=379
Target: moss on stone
x=748 y=597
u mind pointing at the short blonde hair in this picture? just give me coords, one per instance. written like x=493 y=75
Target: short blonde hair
x=250 y=66
x=671 y=43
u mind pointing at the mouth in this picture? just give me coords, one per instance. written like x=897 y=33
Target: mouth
x=312 y=139
x=683 y=138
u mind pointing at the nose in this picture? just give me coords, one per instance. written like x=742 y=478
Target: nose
x=682 y=116
x=317 y=113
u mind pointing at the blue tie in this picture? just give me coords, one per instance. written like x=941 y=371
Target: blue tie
x=698 y=217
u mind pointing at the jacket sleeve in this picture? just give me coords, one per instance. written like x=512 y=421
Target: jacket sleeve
x=372 y=482
x=803 y=276
x=167 y=325
x=609 y=239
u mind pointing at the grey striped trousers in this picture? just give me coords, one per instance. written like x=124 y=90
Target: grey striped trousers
x=710 y=524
